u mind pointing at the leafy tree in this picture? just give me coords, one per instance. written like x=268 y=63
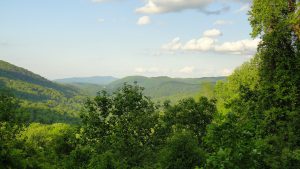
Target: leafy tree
x=279 y=99
x=47 y=146
x=12 y=154
x=229 y=91
x=79 y=157
x=181 y=151
x=122 y=122
x=8 y=106
x=260 y=120
x=106 y=160
x=191 y=115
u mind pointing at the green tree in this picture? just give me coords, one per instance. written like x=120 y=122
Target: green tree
x=279 y=71
x=260 y=122
x=122 y=123
x=11 y=150
x=181 y=151
x=12 y=153
x=191 y=115
x=47 y=146
x=8 y=106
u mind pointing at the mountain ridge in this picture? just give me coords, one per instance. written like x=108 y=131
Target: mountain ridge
x=42 y=100
x=99 y=80
x=158 y=88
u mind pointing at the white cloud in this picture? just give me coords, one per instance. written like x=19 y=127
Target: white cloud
x=187 y=70
x=212 y=33
x=139 y=70
x=165 y=6
x=245 y=47
x=175 y=44
x=226 y=72
x=144 y=20
x=244 y=8
x=205 y=43
x=222 y=22
x=201 y=44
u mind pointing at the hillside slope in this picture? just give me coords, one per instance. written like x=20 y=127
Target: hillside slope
x=163 y=87
x=158 y=88
x=43 y=100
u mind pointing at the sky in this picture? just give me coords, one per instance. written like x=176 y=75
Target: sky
x=81 y=38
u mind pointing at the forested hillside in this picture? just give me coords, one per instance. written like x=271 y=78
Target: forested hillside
x=250 y=121
x=158 y=88
x=42 y=100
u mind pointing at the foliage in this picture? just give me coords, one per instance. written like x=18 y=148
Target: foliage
x=181 y=151
x=228 y=91
x=257 y=127
x=39 y=97
x=190 y=115
x=251 y=120
x=159 y=88
x=124 y=121
x=8 y=106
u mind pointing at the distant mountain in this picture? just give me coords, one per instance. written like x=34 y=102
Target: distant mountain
x=99 y=80
x=88 y=88
x=158 y=88
x=48 y=102
x=163 y=87
x=44 y=100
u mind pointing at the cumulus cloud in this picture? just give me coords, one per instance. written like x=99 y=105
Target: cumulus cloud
x=212 y=33
x=201 y=44
x=222 y=22
x=211 y=44
x=144 y=20
x=168 y=6
x=165 y=6
x=187 y=70
x=245 y=47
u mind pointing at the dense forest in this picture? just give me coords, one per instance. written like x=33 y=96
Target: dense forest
x=41 y=100
x=158 y=88
x=250 y=120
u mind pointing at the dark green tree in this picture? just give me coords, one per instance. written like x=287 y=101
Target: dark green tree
x=8 y=106
x=261 y=128
x=279 y=71
x=190 y=115
x=122 y=123
x=181 y=151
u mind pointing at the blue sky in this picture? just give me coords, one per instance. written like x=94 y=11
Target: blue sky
x=177 y=38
